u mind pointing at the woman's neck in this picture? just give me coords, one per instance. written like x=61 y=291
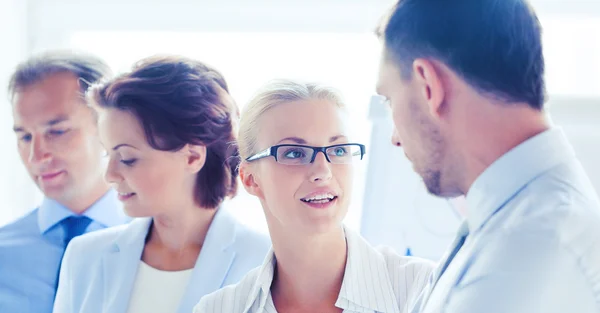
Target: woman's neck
x=310 y=270
x=174 y=240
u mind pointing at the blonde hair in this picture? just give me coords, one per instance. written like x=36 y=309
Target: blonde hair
x=272 y=94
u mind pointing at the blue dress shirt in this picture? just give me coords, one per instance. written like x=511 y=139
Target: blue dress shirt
x=531 y=241
x=32 y=247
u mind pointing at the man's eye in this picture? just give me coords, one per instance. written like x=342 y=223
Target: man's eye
x=25 y=138
x=57 y=132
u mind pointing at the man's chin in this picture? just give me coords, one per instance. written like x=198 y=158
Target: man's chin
x=432 y=180
x=56 y=192
x=434 y=192
x=435 y=189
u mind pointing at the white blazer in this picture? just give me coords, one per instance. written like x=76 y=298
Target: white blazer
x=99 y=269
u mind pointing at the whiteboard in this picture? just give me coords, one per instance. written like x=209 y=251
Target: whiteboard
x=398 y=211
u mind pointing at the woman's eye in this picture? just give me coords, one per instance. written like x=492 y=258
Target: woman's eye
x=294 y=154
x=129 y=162
x=340 y=151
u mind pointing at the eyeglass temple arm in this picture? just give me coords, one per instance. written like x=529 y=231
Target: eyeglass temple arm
x=262 y=154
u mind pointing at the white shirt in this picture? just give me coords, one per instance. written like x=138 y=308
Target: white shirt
x=375 y=280
x=531 y=242
x=156 y=291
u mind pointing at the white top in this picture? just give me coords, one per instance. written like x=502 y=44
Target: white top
x=156 y=291
x=375 y=280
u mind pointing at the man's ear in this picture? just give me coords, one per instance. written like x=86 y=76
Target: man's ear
x=195 y=157
x=248 y=179
x=430 y=85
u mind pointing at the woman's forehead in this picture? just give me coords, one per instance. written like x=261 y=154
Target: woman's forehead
x=312 y=121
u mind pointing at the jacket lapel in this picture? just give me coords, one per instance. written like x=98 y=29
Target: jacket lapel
x=214 y=261
x=121 y=263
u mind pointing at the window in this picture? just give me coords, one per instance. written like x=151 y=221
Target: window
x=572 y=53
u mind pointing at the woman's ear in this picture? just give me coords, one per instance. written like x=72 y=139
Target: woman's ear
x=248 y=178
x=195 y=157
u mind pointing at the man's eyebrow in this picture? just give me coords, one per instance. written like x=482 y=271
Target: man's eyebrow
x=52 y=122
x=57 y=120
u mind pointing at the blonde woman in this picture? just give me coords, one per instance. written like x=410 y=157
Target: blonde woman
x=298 y=160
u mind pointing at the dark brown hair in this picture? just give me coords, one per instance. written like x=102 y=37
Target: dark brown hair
x=179 y=101
x=495 y=45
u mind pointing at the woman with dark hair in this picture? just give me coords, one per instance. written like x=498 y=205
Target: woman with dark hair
x=169 y=130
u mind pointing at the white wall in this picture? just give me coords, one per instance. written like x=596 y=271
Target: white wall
x=51 y=21
x=17 y=193
x=580 y=119
x=55 y=19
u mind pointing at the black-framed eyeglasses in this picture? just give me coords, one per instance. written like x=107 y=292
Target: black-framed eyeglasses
x=301 y=155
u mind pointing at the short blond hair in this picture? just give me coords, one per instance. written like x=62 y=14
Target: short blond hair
x=272 y=94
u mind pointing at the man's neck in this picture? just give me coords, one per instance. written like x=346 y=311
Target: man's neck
x=80 y=204
x=496 y=136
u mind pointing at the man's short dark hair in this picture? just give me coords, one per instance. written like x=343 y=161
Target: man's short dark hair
x=495 y=45
x=87 y=68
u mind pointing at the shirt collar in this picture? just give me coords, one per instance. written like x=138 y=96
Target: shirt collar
x=107 y=211
x=262 y=285
x=502 y=180
x=361 y=259
x=366 y=274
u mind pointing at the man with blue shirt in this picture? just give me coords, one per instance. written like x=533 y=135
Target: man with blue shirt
x=465 y=83
x=58 y=144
